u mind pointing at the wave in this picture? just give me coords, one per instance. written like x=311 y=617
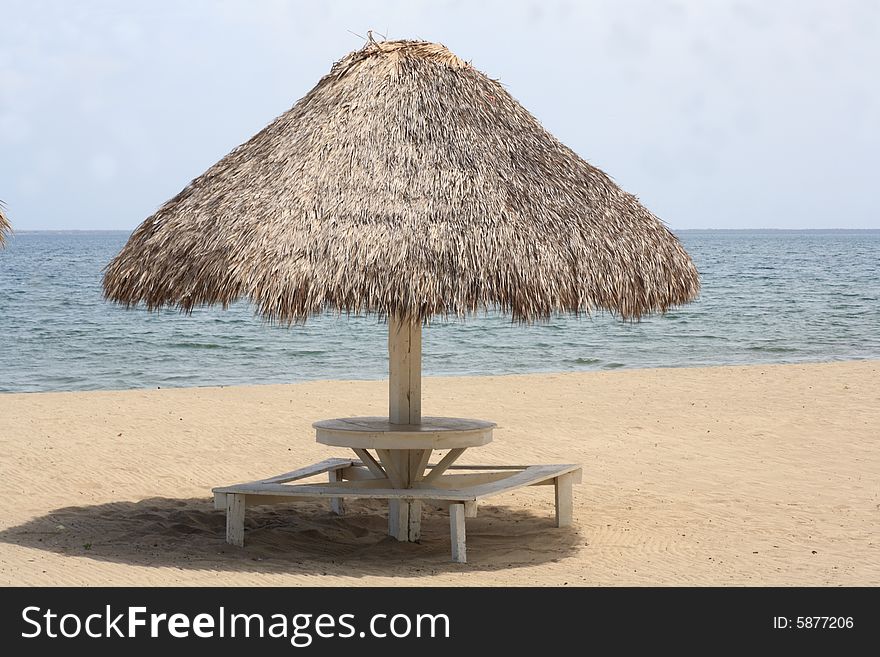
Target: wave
x=773 y=350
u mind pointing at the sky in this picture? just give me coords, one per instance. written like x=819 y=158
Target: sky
x=715 y=113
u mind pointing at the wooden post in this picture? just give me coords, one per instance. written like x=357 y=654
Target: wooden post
x=457 y=533
x=337 y=505
x=404 y=407
x=414 y=529
x=564 y=505
x=398 y=519
x=404 y=371
x=235 y=519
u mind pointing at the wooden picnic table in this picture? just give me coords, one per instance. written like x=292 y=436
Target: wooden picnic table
x=401 y=473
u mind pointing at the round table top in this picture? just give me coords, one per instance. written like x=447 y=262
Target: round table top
x=379 y=433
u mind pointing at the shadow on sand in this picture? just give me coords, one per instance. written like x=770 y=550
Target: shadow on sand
x=303 y=538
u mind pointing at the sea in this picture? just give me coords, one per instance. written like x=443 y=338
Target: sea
x=772 y=296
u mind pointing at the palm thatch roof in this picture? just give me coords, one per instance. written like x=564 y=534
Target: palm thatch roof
x=406 y=182
x=5 y=226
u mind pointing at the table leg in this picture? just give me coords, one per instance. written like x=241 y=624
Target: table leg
x=415 y=521
x=564 y=502
x=337 y=505
x=235 y=519
x=404 y=468
x=398 y=519
x=457 y=533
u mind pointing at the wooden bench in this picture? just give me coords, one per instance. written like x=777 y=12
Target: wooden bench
x=460 y=491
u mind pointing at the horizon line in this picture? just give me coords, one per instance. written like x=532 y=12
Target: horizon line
x=21 y=231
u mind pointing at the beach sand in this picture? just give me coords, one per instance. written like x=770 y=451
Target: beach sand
x=758 y=475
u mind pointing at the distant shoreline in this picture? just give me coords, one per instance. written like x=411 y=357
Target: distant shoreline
x=446 y=378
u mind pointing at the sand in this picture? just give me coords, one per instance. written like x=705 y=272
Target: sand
x=759 y=475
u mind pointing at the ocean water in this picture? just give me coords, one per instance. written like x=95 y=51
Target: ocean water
x=768 y=297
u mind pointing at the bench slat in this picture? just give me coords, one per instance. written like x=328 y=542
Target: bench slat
x=310 y=470
x=528 y=477
x=311 y=490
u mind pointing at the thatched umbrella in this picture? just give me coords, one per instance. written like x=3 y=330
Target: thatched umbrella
x=406 y=184
x=5 y=227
